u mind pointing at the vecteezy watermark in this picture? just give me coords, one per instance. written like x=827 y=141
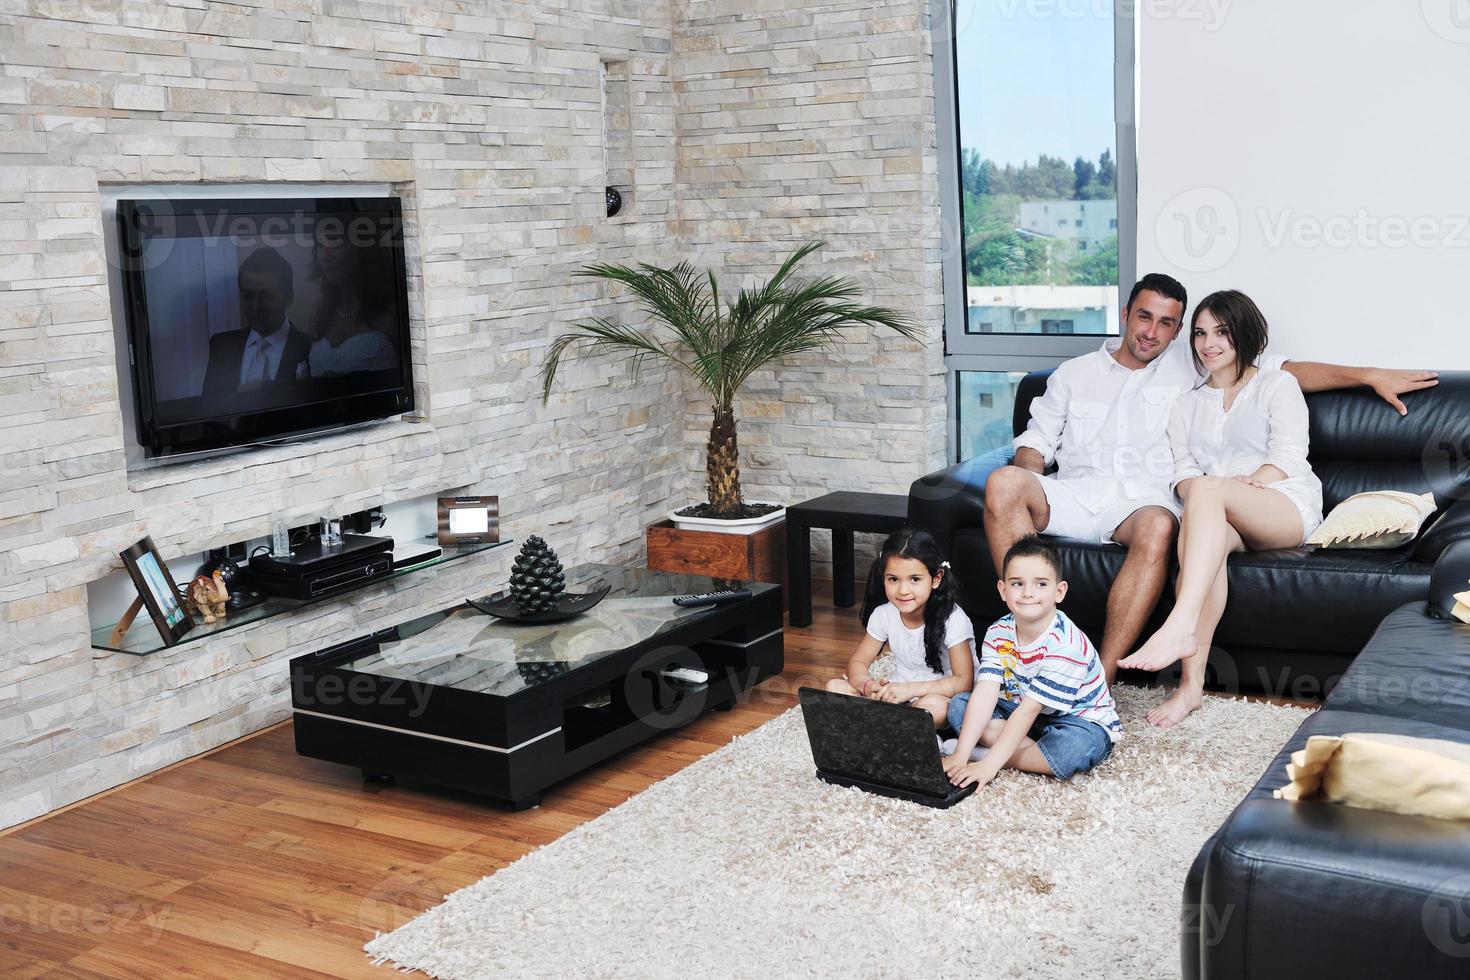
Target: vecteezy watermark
x=396 y=900
x=1363 y=230
x=1446 y=917
x=124 y=918
x=1198 y=230
x=154 y=226
x=1205 y=921
x=955 y=19
x=1450 y=19
x=360 y=690
x=1446 y=459
x=1210 y=14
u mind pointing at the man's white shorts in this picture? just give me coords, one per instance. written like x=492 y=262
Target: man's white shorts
x=1070 y=518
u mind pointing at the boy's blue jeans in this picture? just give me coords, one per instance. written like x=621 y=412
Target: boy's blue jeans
x=1069 y=744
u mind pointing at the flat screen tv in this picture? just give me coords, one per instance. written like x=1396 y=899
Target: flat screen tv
x=255 y=320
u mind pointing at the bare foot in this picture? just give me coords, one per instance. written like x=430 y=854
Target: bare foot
x=1179 y=706
x=1165 y=647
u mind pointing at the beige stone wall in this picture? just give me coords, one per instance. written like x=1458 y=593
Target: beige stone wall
x=754 y=126
x=490 y=127
x=816 y=121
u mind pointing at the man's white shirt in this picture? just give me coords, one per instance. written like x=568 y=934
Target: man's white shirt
x=1107 y=427
x=261 y=358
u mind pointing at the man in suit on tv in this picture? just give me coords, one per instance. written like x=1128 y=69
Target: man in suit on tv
x=267 y=353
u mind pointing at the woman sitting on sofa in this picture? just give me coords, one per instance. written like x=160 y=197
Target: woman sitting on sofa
x=1240 y=468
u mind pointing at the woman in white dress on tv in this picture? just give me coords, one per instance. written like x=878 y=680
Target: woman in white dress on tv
x=1239 y=443
x=353 y=323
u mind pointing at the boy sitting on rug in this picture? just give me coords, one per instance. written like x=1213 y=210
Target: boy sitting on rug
x=1040 y=703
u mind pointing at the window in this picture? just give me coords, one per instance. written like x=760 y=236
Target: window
x=1037 y=182
x=987 y=399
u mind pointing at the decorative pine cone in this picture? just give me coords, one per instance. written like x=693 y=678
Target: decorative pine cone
x=536 y=580
x=539 y=672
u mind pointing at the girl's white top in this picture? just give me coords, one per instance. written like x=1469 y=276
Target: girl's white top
x=886 y=625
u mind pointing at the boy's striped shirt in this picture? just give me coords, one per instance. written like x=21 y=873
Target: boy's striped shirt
x=1061 y=670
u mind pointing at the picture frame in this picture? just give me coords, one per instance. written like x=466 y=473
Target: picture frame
x=468 y=521
x=156 y=591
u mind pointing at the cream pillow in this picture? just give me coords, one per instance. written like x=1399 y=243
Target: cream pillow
x=1423 y=776
x=1377 y=519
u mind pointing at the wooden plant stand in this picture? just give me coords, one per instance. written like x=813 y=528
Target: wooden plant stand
x=757 y=557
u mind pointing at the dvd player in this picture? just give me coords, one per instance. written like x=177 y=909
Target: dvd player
x=314 y=557
x=357 y=569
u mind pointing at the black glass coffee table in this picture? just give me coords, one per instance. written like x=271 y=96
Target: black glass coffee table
x=462 y=699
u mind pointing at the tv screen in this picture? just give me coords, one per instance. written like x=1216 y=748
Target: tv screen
x=254 y=320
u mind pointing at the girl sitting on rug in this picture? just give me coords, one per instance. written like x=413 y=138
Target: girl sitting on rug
x=912 y=604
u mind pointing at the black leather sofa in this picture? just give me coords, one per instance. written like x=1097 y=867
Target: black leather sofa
x=1313 y=889
x=1296 y=617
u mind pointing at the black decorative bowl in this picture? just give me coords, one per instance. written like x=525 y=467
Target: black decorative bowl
x=569 y=604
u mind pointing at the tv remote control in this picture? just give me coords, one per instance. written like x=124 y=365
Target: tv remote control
x=712 y=598
x=686 y=674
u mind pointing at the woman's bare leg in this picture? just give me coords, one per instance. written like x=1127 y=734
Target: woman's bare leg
x=1263 y=519
x=1191 y=692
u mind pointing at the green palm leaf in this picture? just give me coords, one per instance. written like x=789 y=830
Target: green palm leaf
x=722 y=344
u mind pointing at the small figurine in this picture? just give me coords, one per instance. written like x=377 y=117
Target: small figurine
x=207 y=596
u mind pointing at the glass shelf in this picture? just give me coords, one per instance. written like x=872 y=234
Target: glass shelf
x=142 y=637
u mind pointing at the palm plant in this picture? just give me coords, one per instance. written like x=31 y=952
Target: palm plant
x=721 y=343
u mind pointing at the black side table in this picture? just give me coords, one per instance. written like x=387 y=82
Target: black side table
x=843 y=512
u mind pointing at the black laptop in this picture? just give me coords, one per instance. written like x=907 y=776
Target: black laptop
x=888 y=749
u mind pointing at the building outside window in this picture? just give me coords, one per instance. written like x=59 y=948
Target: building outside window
x=1038 y=192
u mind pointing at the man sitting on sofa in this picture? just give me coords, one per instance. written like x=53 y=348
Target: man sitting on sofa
x=1103 y=420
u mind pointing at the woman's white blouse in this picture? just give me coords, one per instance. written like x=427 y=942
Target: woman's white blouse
x=1267 y=423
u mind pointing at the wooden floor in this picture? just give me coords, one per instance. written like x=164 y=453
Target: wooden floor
x=252 y=861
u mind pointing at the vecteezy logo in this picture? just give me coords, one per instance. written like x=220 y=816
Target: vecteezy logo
x=1446 y=917
x=1446 y=459
x=1450 y=19
x=952 y=21
x=396 y=900
x=1198 y=230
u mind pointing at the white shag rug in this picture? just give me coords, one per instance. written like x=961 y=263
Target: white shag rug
x=745 y=865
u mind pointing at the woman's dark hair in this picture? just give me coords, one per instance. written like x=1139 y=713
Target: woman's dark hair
x=1243 y=322
x=921 y=546
x=372 y=277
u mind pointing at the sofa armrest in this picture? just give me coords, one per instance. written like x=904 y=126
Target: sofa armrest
x=945 y=501
x=1451 y=526
x=1451 y=574
x=1317 y=889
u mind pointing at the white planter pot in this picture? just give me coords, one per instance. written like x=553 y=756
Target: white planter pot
x=745 y=525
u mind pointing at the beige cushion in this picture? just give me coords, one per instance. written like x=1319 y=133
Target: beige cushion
x=1423 y=776
x=1377 y=519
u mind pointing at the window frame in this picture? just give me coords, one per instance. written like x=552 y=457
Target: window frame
x=1019 y=352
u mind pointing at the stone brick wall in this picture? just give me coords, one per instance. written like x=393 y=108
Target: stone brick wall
x=490 y=127
x=754 y=126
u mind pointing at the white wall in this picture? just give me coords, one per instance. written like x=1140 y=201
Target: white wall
x=1318 y=153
